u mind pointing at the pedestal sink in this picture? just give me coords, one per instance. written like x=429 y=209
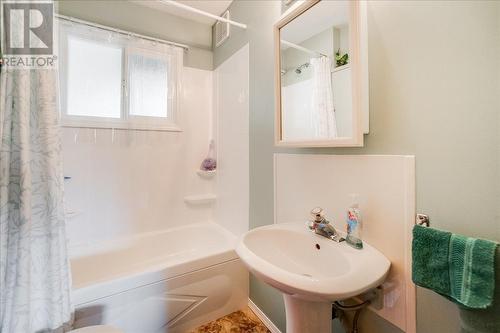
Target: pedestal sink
x=311 y=271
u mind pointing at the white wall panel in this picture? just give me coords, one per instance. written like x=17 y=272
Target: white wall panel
x=386 y=188
x=232 y=110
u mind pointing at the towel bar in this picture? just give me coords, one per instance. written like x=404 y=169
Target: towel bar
x=423 y=220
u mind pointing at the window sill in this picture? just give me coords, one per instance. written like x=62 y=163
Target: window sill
x=120 y=125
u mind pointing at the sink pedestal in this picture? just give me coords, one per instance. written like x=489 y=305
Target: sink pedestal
x=307 y=316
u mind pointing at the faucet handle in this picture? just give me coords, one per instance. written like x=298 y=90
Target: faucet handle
x=310 y=225
x=318 y=214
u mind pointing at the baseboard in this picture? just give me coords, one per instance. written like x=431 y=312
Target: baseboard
x=262 y=316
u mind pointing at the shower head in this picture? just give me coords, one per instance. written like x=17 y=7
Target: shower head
x=299 y=69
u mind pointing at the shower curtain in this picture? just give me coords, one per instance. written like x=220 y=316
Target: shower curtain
x=322 y=99
x=34 y=271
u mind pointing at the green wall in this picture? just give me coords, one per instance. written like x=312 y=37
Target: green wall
x=434 y=93
x=140 y=19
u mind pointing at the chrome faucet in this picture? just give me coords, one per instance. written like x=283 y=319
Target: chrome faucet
x=321 y=226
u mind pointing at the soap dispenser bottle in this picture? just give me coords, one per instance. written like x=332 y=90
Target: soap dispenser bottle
x=354 y=224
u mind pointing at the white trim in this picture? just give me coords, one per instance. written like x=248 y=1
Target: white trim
x=363 y=59
x=203 y=13
x=275 y=187
x=263 y=318
x=410 y=212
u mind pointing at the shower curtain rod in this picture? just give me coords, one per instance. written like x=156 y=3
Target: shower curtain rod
x=301 y=48
x=122 y=32
x=203 y=13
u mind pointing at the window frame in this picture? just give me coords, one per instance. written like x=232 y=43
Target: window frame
x=145 y=122
x=137 y=46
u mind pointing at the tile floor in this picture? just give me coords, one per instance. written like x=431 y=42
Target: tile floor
x=244 y=321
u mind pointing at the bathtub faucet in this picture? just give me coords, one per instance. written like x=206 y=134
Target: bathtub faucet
x=321 y=226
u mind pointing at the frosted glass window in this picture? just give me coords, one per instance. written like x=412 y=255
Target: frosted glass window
x=94 y=79
x=113 y=81
x=148 y=86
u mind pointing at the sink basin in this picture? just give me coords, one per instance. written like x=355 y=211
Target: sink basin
x=311 y=271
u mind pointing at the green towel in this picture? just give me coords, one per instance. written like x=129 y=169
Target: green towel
x=460 y=268
x=483 y=320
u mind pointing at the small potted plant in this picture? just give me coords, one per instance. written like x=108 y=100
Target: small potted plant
x=341 y=59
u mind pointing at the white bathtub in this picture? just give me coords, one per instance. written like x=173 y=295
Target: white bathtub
x=168 y=281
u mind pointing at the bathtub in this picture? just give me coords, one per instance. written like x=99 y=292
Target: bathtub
x=166 y=281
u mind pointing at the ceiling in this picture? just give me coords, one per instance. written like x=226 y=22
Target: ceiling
x=216 y=7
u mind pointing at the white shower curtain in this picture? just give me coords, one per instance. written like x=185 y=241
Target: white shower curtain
x=34 y=272
x=322 y=99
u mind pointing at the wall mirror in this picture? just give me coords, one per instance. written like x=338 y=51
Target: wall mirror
x=321 y=75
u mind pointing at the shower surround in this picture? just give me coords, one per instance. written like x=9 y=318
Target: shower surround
x=138 y=248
